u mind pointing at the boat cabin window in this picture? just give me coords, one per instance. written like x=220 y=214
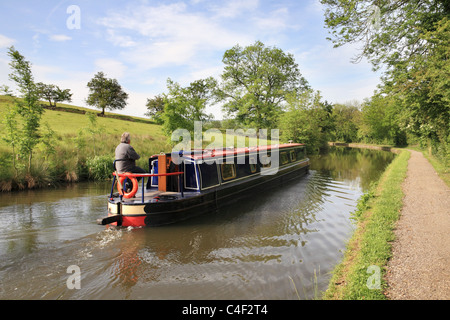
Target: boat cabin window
x=245 y=165
x=284 y=157
x=265 y=160
x=190 y=176
x=252 y=159
x=245 y=169
x=301 y=153
x=293 y=155
x=228 y=171
x=208 y=175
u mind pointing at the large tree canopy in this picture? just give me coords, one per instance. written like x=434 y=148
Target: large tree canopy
x=255 y=83
x=183 y=106
x=53 y=94
x=389 y=31
x=105 y=93
x=411 y=40
x=155 y=108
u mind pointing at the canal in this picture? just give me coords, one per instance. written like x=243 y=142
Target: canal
x=278 y=245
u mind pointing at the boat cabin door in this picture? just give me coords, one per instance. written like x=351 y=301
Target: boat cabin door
x=162 y=168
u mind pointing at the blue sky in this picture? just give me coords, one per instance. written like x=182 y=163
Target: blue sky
x=142 y=43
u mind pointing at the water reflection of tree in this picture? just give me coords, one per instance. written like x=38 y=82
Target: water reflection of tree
x=346 y=164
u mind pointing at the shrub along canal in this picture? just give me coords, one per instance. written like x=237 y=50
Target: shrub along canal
x=279 y=245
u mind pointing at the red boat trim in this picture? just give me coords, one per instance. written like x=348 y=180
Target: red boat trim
x=215 y=153
x=138 y=175
x=133 y=221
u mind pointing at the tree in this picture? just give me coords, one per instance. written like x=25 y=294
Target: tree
x=255 y=83
x=155 y=108
x=29 y=108
x=11 y=133
x=106 y=93
x=347 y=118
x=389 y=31
x=423 y=84
x=53 y=93
x=4 y=89
x=380 y=120
x=47 y=141
x=307 y=120
x=411 y=39
x=183 y=106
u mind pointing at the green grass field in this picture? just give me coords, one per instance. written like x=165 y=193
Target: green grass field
x=74 y=145
x=66 y=123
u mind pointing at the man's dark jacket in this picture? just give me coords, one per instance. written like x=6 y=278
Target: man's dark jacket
x=126 y=152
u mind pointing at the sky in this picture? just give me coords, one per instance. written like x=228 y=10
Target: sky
x=142 y=43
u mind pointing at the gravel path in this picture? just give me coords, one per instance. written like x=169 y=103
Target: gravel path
x=419 y=268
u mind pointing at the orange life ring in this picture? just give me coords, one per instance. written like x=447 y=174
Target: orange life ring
x=133 y=181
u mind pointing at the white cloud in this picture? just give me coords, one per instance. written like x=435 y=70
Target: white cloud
x=234 y=8
x=315 y=7
x=119 y=40
x=111 y=67
x=135 y=104
x=202 y=73
x=149 y=21
x=5 y=41
x=46 y=72
x=167 y=35
x=329 y=70
x=59 y=37
x=77 y=83
x=274 y=22
x=4 y=71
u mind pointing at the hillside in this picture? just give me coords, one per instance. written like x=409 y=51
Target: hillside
x=67 y=119
x=74 y=145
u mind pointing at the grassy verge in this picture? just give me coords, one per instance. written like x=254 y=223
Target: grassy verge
x=360 y=274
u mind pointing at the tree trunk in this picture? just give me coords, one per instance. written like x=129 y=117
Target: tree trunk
x=29 y=162
x=14 y=162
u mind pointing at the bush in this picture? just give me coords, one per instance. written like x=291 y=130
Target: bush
x=100 y=167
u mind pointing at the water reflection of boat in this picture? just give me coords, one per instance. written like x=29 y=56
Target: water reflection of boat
x=202 y=181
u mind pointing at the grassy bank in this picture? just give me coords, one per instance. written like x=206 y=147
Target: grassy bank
x=360 y=274
x=76 y=149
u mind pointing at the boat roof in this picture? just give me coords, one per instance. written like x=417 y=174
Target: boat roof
x=220 y=153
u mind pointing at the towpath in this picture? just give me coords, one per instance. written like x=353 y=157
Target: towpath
x=419 y=268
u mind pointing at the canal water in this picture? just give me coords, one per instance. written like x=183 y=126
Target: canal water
x=278 y=245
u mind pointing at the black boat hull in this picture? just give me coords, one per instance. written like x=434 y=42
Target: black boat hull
x=171 y=211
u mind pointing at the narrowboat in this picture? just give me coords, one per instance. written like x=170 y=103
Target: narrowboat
x=190 y=183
